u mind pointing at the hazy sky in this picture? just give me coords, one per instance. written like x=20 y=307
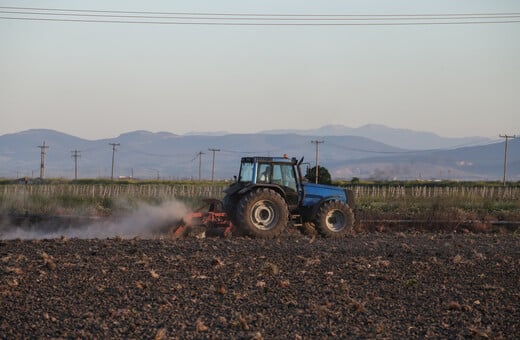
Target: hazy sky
x=98 y=80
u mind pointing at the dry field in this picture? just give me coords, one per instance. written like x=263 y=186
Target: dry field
x=372 y=285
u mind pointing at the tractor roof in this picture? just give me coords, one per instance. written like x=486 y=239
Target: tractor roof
x=261 y=159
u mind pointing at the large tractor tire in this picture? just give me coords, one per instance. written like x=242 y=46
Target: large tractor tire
x=229 y=205
x=334 y=219
x=262 y=213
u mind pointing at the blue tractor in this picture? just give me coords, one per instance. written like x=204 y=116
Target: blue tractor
x=270 y=193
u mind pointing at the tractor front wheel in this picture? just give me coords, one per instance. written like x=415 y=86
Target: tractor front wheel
x=334 y=219
x=262 y=213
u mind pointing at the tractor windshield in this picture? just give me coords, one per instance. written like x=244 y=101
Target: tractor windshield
x=246 y=172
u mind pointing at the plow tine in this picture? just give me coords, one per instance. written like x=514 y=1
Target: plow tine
x=181 y=232
x=213 y=222
x=227 y=231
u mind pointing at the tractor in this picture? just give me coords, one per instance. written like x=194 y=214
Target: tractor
x=269 y=194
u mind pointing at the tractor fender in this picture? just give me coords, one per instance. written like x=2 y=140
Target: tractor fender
x=254 y=186
x=350 y=198
x=233 y=188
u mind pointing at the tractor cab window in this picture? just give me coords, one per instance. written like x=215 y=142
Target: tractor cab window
x=264 y=173
x=246 y=172
x=283 y=174
x=288 y=176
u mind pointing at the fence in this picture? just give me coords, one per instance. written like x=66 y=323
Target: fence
x=216 y=191
x=423 y=191
x=115 y=190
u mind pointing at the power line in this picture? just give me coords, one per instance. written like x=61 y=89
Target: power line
x=134 y=150
x=374 y=151
x=263 y=24
x=216 y=16
x=252 y=19
x=259 y=14
x=404 y=151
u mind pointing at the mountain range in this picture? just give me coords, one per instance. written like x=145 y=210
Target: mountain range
x=371 y=151
x=402 y=138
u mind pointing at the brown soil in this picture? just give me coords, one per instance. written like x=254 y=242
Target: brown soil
x=371 y=285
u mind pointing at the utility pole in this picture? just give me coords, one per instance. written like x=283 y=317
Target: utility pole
x=76 y=155
x=114 y=145
x=317 y=142
x=213 y=163
x=200 y=164
x=507 y=137
x=42 y=159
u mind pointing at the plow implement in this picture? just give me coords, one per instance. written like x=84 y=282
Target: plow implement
x=207 y=221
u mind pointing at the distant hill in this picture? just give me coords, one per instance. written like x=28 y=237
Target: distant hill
x=467 y=163
x=144 y=154
x=401 y=138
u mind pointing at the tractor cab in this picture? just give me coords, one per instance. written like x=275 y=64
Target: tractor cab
x=279 y=173
x=269 y=170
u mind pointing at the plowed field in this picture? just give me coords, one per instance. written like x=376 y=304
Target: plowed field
x=372 y=285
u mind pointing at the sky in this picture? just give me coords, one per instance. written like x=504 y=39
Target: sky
x=97 y=79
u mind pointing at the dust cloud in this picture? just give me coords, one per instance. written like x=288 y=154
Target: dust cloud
x=146 y=221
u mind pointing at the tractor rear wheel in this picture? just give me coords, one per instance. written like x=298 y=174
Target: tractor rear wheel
x=334 y=219
x=262 y=213
x=229 y=205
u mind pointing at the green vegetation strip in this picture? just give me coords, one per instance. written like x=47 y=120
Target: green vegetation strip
x=390 y=200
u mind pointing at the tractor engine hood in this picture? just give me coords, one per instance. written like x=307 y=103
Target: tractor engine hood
x=315 y=193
